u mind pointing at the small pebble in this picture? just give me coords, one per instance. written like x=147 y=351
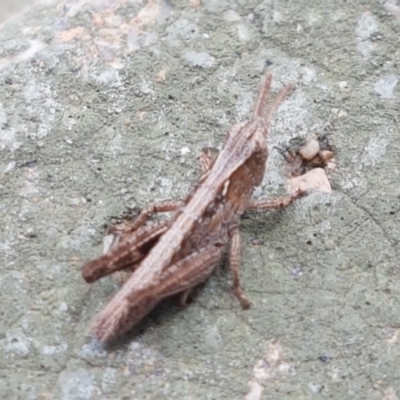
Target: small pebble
x=310 y=149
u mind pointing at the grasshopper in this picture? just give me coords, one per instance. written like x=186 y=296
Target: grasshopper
x=174 y=256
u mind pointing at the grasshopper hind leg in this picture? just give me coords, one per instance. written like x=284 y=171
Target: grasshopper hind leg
x=234 y=262
x=126 y=309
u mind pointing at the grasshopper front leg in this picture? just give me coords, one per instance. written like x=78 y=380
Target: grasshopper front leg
x=140 y=220
x=206 y=159
x=275 y=204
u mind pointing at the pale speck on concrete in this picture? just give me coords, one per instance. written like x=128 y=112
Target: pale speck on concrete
x=374 y=151
x=314 y=387
x=185 y=150
x=77 y=384
x=213 y=337
x=231 y=16
x=292 y=118
x=244 y=105
x=386 y=85
x=199 y=59
x=10 y=166
x=366 y=27
x=308 y=75
x=182 y=29
x=277 y=17
x=109 y=378
x=7 y=139
x=165 y=186
x=63 y=307
x=393 y=7
x=244 y=34
x=16 y=342
x=51 y=351
x=92 y=351
x=348 y=183
x=109 y=77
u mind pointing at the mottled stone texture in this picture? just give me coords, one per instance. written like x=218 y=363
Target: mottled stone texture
x=104 y=105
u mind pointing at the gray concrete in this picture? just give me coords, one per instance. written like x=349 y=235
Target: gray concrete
x=89 y=127
x=10 y=8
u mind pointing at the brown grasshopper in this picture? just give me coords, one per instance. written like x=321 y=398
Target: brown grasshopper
x=173 y=256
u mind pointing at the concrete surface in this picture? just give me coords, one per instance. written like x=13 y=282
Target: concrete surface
x=10 y=8
x=105 y=105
